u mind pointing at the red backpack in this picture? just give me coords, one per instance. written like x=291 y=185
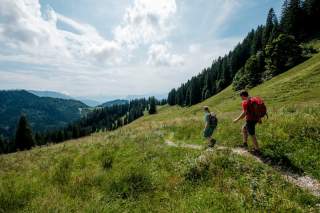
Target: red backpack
x=257 y=108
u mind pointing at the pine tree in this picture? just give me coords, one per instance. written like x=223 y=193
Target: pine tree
x=194 y=92
x=257 y=42
x=172 y=97
x=188 y=97
x=75 y=131
x=271 y=28
x=153 y=107
x=312 y=12
x=60 y=136
x=292 y=19
x=2 y=145
x=24 y=139
x=38 y=138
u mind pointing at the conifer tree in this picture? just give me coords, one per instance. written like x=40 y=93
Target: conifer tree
x=2 y=145
x=24 y=139
x=271 y=27
x=292 y=19
x=312 y=13
x=152 y=104
x=172 y=97
x=257 y=42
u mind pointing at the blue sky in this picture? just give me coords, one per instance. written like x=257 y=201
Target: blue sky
x=102 y=48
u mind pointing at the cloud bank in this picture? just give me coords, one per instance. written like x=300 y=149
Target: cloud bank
x=41 y=48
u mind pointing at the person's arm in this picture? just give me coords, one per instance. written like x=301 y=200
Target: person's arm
x=243 y=114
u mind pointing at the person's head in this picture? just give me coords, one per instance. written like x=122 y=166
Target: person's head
x=244 y=94
x=206 y=109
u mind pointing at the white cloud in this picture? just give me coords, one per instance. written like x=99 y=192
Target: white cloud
x=159 y=55
x=138 y=58
x=24 y=28
x=145 y=22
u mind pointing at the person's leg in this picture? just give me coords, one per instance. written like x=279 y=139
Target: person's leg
x=208 y=135
x=251 y=126
x=255 y=142
x=209 y=140
x=245 y=135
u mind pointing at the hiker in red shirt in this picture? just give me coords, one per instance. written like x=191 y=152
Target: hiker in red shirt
x=251 y=120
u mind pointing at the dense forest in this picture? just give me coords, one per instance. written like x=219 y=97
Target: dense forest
x=100 y=119
x=265 y=52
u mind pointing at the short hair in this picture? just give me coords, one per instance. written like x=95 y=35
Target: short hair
x=206 y=108
x=244 y=93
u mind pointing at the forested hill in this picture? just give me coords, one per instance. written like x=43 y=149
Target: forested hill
x=265 y=52
x=114 y=102
x=43 y=113
x=50 y=94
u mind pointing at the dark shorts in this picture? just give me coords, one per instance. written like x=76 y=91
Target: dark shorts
x=208 y=132
x=251 y=127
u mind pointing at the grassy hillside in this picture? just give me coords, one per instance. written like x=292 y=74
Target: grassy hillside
x=132 y=170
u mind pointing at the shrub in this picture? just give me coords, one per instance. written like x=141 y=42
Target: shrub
x=198 y=170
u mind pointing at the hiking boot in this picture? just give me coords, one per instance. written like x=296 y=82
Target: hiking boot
x=244 y=146
x=212 y=143
x=255 y=152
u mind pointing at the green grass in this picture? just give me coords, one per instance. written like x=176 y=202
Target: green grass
x=132 y=170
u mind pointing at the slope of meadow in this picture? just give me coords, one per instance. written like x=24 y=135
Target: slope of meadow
x=132 y=170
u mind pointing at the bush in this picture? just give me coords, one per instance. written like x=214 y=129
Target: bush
x=308 y=51
x=198 y=170
x=282 y=53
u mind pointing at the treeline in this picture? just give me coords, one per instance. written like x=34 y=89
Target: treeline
x=265 y=52
x=105 y=119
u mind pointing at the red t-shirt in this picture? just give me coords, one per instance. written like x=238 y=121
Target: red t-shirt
x=244 y=104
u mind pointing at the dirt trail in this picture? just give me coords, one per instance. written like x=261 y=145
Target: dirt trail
x=305 y=182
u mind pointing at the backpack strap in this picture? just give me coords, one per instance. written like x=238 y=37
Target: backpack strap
x=249 y=104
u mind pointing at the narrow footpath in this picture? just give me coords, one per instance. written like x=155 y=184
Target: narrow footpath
x=305 y=182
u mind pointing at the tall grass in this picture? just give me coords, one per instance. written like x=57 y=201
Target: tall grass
x=132 y=170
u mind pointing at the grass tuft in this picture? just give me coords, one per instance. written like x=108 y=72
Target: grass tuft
x=131 y=183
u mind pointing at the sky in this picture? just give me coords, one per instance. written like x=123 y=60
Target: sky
x=103 y=49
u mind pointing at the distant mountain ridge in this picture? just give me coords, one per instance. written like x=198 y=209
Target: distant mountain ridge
x=43 y=113
x=114 y=102
x=53 y=94
x=157 y=96
x=50 y=94
x=89 y=102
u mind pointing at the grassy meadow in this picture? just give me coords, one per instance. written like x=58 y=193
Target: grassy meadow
x=132 y=170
